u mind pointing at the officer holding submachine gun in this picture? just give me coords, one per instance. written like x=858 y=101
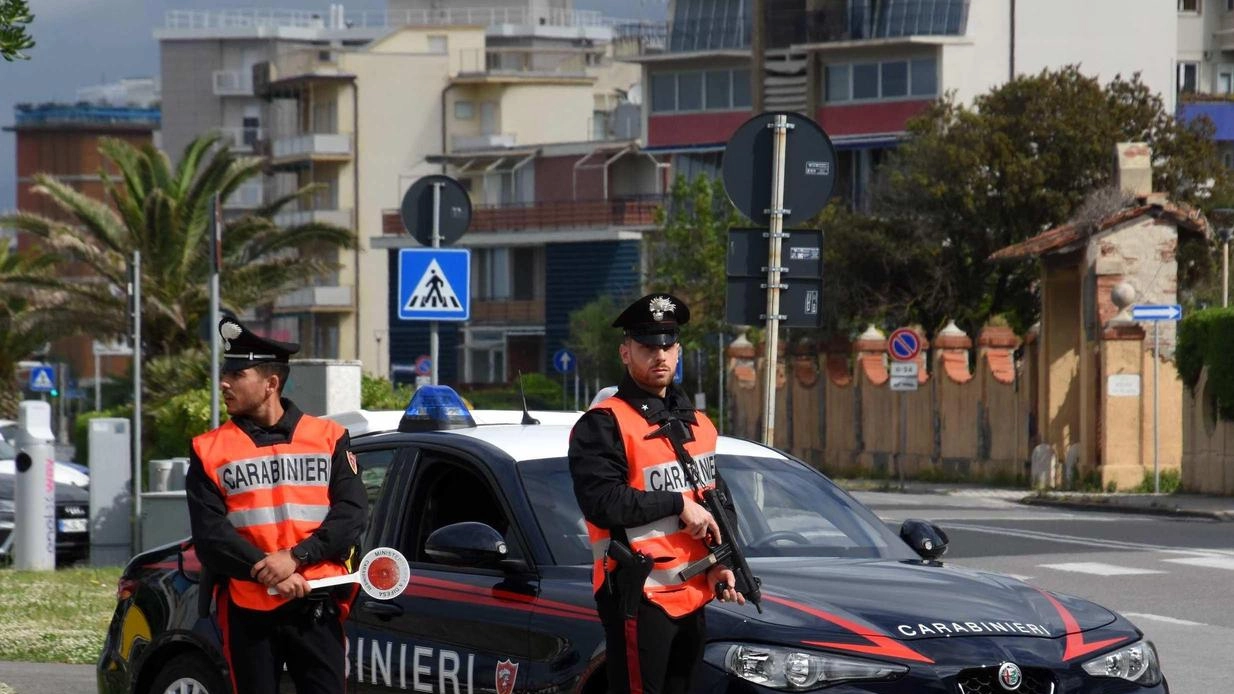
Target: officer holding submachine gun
x=643 y=466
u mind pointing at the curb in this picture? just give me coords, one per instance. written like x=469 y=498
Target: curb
x=1087 y=505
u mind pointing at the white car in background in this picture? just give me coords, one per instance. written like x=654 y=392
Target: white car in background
x=66 y=473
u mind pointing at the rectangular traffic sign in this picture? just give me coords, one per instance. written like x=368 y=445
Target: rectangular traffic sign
x=1157 y=312
x=903 y=383
x=43 y=379
x=905 y=369
x=434 y=284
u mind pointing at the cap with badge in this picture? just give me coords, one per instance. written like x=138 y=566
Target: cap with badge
x=654 y=319
x=243 y=348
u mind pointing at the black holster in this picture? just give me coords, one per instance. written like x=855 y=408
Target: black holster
x=628 y=580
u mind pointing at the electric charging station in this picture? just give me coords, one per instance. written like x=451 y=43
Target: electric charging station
x=35 y=531
x=111 y=496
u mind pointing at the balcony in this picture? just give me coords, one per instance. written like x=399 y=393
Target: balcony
x=312 y=146
x=523 y=63
x=558 y=214
x=248 y=196
x=242 y=140
x=329 y=299
x=491 y=311
x=336 y=217
x=465 y=143
x=233 y=82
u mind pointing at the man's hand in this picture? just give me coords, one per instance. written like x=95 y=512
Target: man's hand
x=294 y=586
x=720 y=574
x=698 y=521
x=275 y=568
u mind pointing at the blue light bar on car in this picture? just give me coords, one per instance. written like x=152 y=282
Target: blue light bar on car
x=433 y=408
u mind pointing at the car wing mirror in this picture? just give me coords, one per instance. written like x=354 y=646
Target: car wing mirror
x=927 y=540
x=468 y=544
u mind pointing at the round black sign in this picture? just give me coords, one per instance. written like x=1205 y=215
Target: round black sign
x=417 y=209
x=809 y=168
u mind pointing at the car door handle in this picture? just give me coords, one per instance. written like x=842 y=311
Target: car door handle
x=385 y=610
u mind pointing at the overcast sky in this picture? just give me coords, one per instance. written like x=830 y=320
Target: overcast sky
x=85 y=42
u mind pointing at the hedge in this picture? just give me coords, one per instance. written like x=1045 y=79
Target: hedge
x=1206 y=338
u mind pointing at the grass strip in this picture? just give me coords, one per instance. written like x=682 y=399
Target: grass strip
x=55 y=616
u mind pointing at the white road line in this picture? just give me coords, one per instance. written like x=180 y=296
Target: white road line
x=1226 y=563
x=1167 y=620
x=1098 y=568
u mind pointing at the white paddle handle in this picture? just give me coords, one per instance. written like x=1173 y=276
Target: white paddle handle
x=324 y=582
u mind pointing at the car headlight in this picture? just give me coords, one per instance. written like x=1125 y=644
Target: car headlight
x=1136 y=663
x=795 y=669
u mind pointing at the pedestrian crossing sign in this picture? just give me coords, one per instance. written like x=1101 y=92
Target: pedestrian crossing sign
x=43 y=379
x=434 y=284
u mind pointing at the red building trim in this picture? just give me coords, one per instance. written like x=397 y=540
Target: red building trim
x=713 y=127
x=869 y=119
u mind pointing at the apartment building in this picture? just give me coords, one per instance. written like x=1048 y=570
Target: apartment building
x=1204 y=71
x=862 y=68
x=63 y=140
x=357 y=103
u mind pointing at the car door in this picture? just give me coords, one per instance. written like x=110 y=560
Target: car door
x=455 y=630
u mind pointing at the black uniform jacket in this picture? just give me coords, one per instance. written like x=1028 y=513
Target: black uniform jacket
x=598 y=462
x=221 y=548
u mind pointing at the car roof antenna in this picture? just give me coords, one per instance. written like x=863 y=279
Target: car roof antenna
x=527 y=418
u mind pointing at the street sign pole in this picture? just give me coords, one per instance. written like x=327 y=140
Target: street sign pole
x=720 y=396
x=432 y=326
x=216 y=234
x=1156 y=403
x=136 y=280
x=780 y=127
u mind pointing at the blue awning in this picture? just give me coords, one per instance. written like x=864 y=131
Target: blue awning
x=1221 y=113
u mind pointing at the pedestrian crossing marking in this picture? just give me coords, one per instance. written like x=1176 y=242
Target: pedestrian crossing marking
x=433 y=291
x=1099 y=568
x=1207 y=562
x=41 y=381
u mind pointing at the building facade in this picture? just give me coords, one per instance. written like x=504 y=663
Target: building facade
x=862 y=68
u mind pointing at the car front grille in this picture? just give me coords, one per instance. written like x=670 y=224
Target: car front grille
x=985 y=681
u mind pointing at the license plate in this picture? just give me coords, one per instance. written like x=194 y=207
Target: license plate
x=72 y=525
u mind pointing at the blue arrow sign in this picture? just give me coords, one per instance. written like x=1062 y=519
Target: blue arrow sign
x=43 y=379
x=1157 y=312
x=563 y=361
x=434 y=284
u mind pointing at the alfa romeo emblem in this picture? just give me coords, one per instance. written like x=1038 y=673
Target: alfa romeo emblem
x=1010 y=677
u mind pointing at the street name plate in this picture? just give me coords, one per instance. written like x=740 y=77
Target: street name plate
x=1123 y=385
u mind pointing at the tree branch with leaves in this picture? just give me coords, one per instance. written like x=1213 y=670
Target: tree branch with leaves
x=15 y=17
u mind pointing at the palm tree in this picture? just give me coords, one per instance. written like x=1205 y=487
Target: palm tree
x=165 y=214
x=28 y=317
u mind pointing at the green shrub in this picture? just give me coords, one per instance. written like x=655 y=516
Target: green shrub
x=1171 y=480
x=543 y=393
x=174 y=423
x=1204 y=339
x=381 y=394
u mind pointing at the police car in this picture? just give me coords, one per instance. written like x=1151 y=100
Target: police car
x=848 y=604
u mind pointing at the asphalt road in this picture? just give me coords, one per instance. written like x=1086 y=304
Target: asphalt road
x=1173 y=578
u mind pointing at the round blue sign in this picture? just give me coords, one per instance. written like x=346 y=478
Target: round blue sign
x=904 y=345
x=563 y=361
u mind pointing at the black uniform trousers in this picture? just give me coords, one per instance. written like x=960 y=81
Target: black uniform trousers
x=304 y=634
x=668 y=650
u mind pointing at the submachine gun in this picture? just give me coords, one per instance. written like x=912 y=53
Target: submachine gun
x=727 y=552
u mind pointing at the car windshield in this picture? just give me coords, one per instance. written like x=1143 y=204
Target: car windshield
x=784 y=509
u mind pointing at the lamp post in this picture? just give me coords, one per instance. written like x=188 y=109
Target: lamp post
x=1224 y=233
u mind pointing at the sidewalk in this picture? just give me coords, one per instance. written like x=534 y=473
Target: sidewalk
x=1219 y=508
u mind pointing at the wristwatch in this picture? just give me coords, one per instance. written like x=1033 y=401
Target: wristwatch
x=300 y=554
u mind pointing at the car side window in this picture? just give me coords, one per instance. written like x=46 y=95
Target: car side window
x=450 y=491
x=372 y=465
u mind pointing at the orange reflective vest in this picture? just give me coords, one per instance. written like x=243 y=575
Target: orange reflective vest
x=276 y=496
x=654 y=467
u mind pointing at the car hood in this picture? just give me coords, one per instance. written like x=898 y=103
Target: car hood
x=909 y=600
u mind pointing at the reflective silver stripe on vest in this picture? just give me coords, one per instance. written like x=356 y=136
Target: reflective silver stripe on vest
x=659 y=578
x=657 y=528
x=277 y=514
